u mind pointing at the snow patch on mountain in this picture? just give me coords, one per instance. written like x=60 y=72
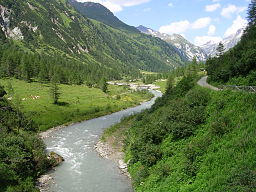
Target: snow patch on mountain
x=185 y=48
x=228 y=42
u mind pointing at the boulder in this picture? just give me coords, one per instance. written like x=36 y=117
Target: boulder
x=55 y=158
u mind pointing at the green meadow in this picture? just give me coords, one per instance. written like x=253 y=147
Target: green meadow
x=76 y=103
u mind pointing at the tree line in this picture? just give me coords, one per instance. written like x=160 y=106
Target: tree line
x=29 y=66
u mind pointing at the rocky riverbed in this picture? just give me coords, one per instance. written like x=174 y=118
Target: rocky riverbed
x=107 y=151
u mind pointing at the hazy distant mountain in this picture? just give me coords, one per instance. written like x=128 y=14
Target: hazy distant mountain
x=228 y=42
x=100 y=13
x=186 y=48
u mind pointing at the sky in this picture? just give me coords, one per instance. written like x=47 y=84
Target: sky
x=199 y=21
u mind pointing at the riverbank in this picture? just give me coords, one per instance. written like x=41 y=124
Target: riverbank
x=111 y=144
x=76 y=103
x=83 y=167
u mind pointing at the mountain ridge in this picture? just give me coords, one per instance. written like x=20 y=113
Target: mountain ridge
x=186 y=48
x=56 y=28
x=228 y=42
x=100 y=13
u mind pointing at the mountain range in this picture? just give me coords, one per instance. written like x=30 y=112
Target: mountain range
x=228 y=42
x=100 y=13
x=56 y=28
x=186 y=48
x=89 y=33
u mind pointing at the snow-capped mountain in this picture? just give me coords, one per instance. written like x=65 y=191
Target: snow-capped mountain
x=228 y=42
x=186 y=48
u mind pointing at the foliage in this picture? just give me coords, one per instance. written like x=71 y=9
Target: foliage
x=54 y=92
x=103 y=85
x=252 y=13
x=238 y=62
x=22 y=155
x=220 y=49
x=194 y=140
x=2 y=91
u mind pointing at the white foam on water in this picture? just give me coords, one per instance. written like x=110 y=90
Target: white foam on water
x=85 y=131
x=78 y=142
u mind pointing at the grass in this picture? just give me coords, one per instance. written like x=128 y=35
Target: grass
x=115 y=135
x=162 y=85
x=65 y=19
x=77 y=102
x=148 y=72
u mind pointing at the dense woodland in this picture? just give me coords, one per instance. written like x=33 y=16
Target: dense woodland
x=30 y=66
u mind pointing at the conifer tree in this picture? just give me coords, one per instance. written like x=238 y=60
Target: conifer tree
x=220 y=49
x=104 y=85
x=54 y=90
x=252 y=12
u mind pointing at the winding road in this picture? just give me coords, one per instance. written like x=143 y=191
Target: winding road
x=203 y=83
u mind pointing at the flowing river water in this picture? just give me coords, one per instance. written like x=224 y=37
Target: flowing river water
x=83 y=169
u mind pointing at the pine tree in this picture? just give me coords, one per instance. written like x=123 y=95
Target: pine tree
x=54 y=90
x=252 y=12
x=103 y=85
x=43 y=74
x=220 y=49
x=26 y=70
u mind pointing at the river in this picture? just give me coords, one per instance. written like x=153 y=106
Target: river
x=83 y=169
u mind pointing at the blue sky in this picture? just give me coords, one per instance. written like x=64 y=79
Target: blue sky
x=197 y=20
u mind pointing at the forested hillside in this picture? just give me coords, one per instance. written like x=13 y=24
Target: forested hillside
x=54 y=35
x=100 y=13
x=238 y=65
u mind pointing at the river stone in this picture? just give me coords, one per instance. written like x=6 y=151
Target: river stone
x=122 y=164
x=56 y=159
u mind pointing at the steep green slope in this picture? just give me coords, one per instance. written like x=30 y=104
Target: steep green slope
x=194 y=140
x=55 y=28
x=100 y=13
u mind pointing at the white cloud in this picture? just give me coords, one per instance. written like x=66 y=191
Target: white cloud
x=117 y=5
x=201 y=23
x=201 y=40
x=214 y=1
x=183 y=26
x=211 y=30
x=228 y=11
x=176 y=27
x=170 y=4
x=238 y=23
x=213 y=7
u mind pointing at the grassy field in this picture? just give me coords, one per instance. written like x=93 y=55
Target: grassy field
x=162 y=85
x=77 y=102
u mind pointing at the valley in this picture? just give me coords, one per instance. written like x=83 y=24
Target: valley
x=91 y=103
